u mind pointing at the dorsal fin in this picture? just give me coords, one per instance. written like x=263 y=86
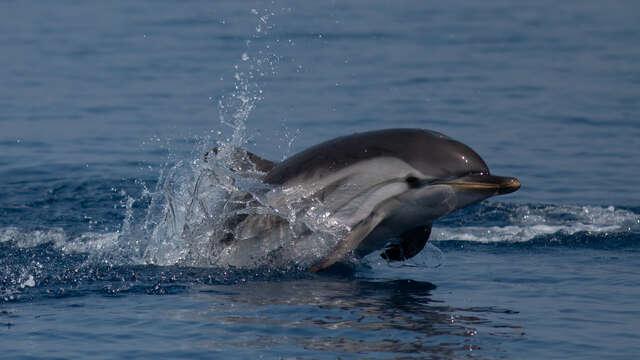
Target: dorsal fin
x=410 y=245
x=251 y=159
x=262 y=165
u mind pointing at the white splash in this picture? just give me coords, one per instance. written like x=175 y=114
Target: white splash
x=218 y=213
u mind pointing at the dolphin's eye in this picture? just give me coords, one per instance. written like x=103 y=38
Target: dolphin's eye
x=412 y=181
x=475 y=173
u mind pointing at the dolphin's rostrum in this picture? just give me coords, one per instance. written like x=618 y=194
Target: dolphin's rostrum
x=380 y=185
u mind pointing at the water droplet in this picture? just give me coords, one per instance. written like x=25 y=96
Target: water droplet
x=30 y=282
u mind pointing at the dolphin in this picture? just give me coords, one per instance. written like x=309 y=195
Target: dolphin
x=386 y=187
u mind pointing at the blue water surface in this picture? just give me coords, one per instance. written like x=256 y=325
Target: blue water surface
x=105 y=106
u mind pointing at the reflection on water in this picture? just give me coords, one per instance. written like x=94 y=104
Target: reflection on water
x=353 y=316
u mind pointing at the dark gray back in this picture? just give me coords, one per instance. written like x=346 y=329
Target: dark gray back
x=431 y=152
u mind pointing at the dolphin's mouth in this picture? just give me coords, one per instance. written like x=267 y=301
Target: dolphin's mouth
x=483 y=182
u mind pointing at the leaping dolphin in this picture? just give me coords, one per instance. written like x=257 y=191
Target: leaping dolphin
x=381 y=185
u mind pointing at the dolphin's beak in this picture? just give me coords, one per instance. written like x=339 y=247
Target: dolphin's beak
x=497 y=184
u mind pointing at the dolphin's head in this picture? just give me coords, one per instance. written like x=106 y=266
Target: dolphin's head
x=443 y=163
x=438 y=175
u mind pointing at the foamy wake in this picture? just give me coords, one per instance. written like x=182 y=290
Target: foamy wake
x=527 y=222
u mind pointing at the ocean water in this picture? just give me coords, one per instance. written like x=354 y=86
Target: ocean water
x=107 y=110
